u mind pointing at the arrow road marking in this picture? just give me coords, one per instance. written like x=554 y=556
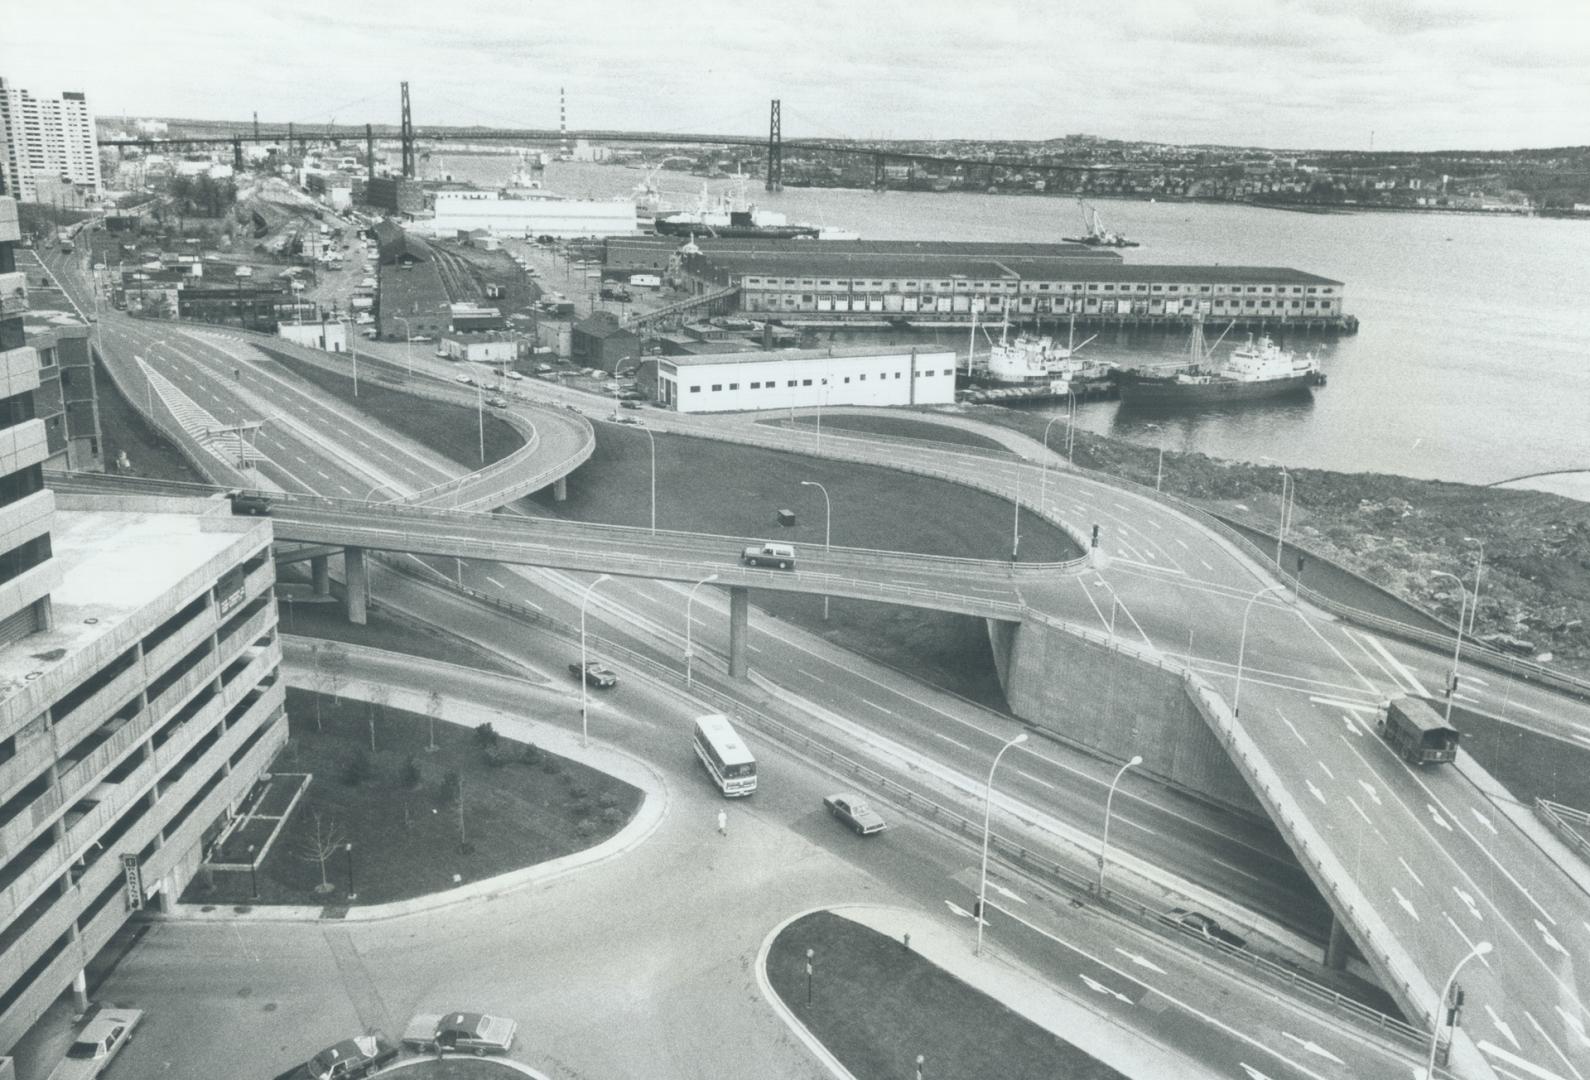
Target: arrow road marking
x=1369 y=789
x=1501 y=1025
x=1483 y=820
x=1573 y=1022
x=1141 y=961
x=1316 y=793
x=960 y=912
x=1436 y=814
x=1550 y=941
x=1411 y=874
x=1099 y=988
x=1469 y=901
x=1313 y=1047
x=1254 y=1074
x=1007 y=894
x=1347 y=718
x=1406 y=904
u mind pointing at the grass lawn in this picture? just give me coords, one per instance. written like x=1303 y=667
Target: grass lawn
x=877 y=1005
x=405 y=833
x=904 y=427
x=716 y=487
x=450 y=430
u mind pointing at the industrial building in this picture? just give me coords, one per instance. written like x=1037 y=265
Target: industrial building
x=138 y=647
x=599 y=340
x=804 y=378
x=654 y=254
x=481 y=348
x=47 y=137
x=395 y=194
x=328 y=335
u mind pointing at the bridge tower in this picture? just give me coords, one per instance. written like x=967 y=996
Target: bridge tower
x=256 y=125
x=369 y=152
x=563 y=126
x=289 y=141
x=408 y=136
x=775 y=149
x=237 y=153
x=880 y=178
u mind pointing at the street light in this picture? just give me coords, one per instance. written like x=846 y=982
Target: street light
x=253 y=881
x=351 y=894
x=1071 y=412
x=1159 y=471
x=1286 y=481
x=1109 y=800
x=584 y=686
x=1482 y=949
x=653 y=439
x=1043 y=462
x=689 y=599
x=988 y=814
x=809 y=954
x=1242 y=647
x=1463 y=610
x=828 y=529
x=1015 y=526
x=1479 y=565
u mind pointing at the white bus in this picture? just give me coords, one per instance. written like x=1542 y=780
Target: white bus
x=725 y=755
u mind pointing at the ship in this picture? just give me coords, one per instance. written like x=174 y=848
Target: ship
x=1256 y=371
x=1040 y=363
x=1097 y=235
x=732 y=218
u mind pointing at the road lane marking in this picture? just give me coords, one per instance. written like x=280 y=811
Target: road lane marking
x=1038 y=780
x=1317 y=793
x=1467 y=941
x=1313 y=1047
x=1338 y=703
x=1483 y=820
x=1557 y=1049
x=1488 y=1047
x=1293 y=728
x=1369 y=789
x=1402 y=669
x=1436 y=814
x=875 y=705
x=1367 y=820
x=495 y=582
x=1099 y=988
x=950 y=739
x=1502 y=1026
x=1574 y=1022
x=1141 y=961
x=1417 y=879
x=1327 y=769
x=1551 y=942
x=1406 y=904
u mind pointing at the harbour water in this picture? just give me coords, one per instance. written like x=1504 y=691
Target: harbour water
x=1472 y=364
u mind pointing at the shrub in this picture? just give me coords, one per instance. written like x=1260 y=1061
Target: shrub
x=551 y=765
x=578 y=792
x=486 y=736
x=612 y=816
x=447 y=787
x=498 y=756
x=357 y=768
x=409 y=772
x=531 y=754
x=609 y=801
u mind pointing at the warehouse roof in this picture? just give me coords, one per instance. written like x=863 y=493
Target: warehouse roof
x=925 y=248
x=820 y=263
x=1168 y=273
x=834 y=264
x=926 y=348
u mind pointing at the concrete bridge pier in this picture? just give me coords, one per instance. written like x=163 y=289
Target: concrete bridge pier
x=739 y=628
x=1336 y=947
x=560 y=489
x=320 y=570
x=356 y=580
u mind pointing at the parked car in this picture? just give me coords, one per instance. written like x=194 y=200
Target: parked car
x=515 y=376
x=465 y=379
x=629 y=403
x=634 y=420
x=597 y=674
x=100 y=1040
x=768 y=553
x=497 y=402
x=359 y=1056
x=853 y=810
x=475 y=1033
x=1201 y=925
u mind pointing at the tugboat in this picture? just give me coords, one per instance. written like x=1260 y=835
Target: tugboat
x=1097 y=235
x=1255 y=371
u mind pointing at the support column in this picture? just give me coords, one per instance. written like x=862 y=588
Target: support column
x=560 y=489
x=739 y=628
x=356 y=580
x=1336 y=948
x=320 y=569
x=80 y=991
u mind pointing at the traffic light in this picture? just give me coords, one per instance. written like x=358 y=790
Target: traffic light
x=1095 y=536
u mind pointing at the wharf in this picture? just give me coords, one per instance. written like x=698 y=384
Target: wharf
x=1092 y=390
x=1338 y=324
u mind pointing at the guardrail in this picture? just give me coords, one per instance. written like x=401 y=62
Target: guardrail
x=1057 y=873
x=1571 y=826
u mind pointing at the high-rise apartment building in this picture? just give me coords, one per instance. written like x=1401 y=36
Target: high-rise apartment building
x=49 y=137
x=140 y=698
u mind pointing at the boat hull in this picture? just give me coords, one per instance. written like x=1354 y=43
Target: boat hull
x=1167 y=392
x=671 y=227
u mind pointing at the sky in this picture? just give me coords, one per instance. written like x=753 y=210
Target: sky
x=1319 y=74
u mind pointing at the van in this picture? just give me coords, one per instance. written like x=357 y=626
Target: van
x=768 y=553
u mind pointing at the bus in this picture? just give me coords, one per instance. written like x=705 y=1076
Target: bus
x=1417 y=732
x=725 y=755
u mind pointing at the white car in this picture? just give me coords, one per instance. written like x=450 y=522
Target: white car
x=465 y=379
x=515 y=376
x=99 y=1041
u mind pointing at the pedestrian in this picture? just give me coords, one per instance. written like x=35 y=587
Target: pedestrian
x=723 y=823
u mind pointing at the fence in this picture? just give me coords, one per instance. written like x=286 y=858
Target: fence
x=1571 y=826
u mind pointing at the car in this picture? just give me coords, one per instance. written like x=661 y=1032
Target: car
x=1200 y=925
x=497 y=402
x=769 y=553
x=350 y=1058
x=100 y=1040
x=633 y=420
x=853 y=810
x=515 y=376
x=249 y=502
x=465 y=379
x=630 y=403
x=423 y=338
x=441 y=354
x=597 y=674
x=475 y=1033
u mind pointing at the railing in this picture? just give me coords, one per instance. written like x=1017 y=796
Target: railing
x=1571 y=826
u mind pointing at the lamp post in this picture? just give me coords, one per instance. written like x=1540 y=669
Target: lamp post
x=1286 y=483
x=408 y=338
x=1242 y=647
x=1479 y=566
x=584 y=685
x=1457 y=648
x=1482 y=949
x=1043 y=463
x=480 y=416
x=1159 y=470
x=690 y=599
x=353 y=351
x=1109 y=801
x=988 y=814
x=653 y=440
x=1015 y=526
x=349 y=849
x=809 y=954
x=253 y=881
x=1071 y=412
x=828 y=529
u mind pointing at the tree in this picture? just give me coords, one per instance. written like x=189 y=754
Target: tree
x=324 y=842
x=333 y=671
x=433 y=709
x=379 y=696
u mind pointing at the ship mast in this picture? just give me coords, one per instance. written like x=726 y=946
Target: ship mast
x=971 y=345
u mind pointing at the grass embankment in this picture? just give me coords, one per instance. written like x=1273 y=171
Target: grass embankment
x=450 y=430
x=399 y=806
x=124 y=430
x=902 y=427
x=715 y=487
x=877 y=1005
x=1395 y=531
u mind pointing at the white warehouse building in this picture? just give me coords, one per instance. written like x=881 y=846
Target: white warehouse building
x=465 y=211
x=803 y=378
